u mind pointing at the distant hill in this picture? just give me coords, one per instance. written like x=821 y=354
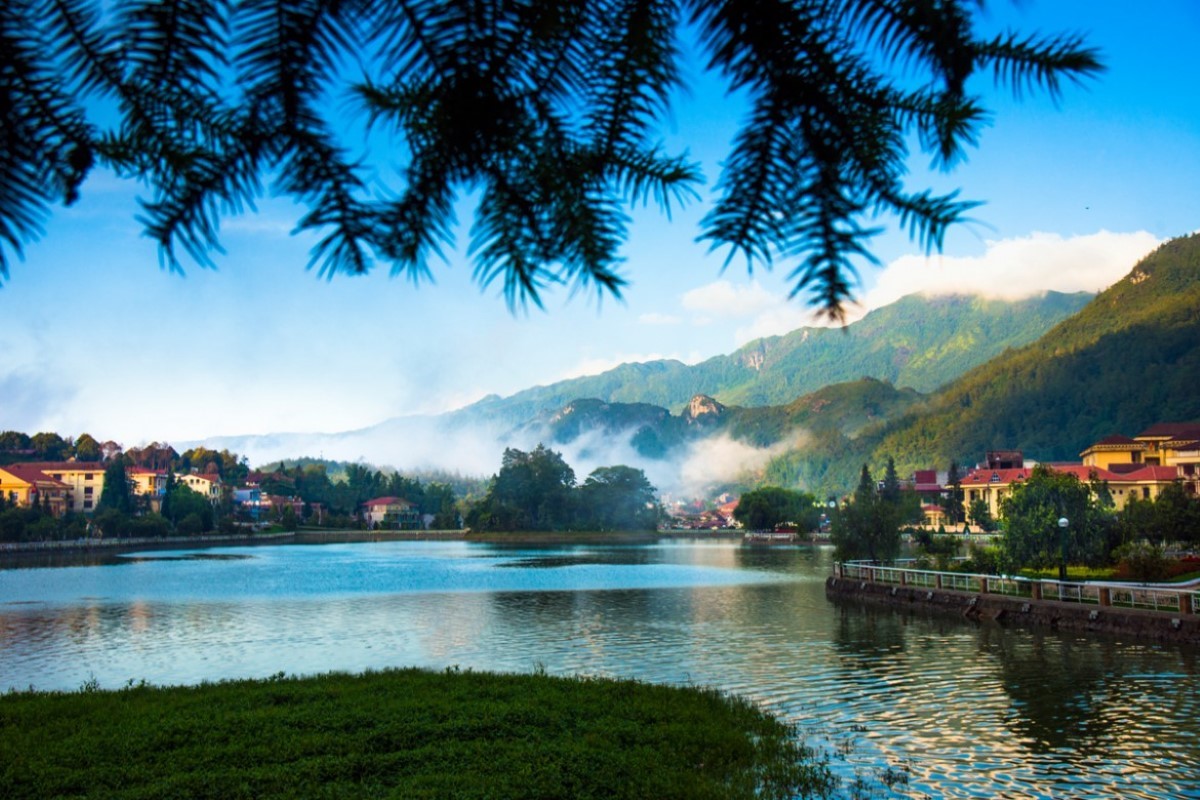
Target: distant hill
x=1129 y=359
x=920 y=342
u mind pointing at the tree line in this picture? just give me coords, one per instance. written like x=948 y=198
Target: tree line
x=537 y=491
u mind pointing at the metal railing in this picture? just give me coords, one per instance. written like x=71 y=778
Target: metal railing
x=1184 y=601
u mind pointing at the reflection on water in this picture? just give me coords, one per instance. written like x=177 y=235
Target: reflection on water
x=188 y=557
x=964 y=709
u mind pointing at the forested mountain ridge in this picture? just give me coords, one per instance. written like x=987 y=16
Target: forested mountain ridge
x=1127 y=360
x=919 y=341
x=829 y=418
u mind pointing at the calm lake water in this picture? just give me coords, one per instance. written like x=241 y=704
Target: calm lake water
x=935 y=706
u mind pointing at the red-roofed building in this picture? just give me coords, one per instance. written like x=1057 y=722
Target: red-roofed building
x=994 y=485
x=1166 y=444
x=391 y=512
x=278 y=503
x=26 y=485
x=84 y=481
x=927 y=484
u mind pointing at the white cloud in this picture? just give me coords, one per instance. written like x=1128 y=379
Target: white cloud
x=1016 y=268
x=770 y=313
x=726 y=299
x=715 y=460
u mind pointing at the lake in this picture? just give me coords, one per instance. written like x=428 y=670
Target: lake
x=909 y=706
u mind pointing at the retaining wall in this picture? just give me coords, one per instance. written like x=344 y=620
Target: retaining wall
x=1149 y=625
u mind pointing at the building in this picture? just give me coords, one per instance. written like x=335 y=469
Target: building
x=208 y=486
x=928 y=484
x=251 y=503
x=994 y=485
x=148 y=484
x=391 y=512
x=279 y=504
x=1166 y=444
x=26 y=485
x=84 y=481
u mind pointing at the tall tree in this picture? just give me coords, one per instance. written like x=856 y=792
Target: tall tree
x=1176 y=515
x=618 y=498
x=952 y=497
x=117 y=495
x=49 y=446
x=768 y=506
x=866 y=527
x=1031 y=534
x=532 y=491
x=550 y=111
x=87 y=448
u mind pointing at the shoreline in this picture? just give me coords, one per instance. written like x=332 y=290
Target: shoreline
x=1004 y=610
x=21 y=551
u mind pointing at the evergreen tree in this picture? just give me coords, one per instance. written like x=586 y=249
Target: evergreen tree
x=167 y=510
x=867 y=527
x=890 y=491
x=116 y=494
x=952 y=497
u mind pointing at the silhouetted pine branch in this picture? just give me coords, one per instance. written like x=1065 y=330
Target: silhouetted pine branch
x=548 y=111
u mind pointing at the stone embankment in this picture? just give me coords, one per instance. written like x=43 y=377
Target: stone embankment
x=987 y=608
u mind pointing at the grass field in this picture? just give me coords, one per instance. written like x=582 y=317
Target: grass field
x=400 y=734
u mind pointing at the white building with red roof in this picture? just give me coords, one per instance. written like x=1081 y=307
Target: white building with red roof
x=391 y=512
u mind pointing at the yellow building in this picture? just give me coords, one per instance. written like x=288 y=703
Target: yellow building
x=148 y=483
x=994 y=485
x=25 y=485
x=84 y=480
x=1114 y=450
x=1166 y=444
x=208 y=486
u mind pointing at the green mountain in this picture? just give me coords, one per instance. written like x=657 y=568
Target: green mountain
x=1129 y=359
x=918 y=342
x=823 y=421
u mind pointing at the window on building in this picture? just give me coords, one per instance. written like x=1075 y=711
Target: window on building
x=87 y=491
x=88 y=476
x=1146 y=492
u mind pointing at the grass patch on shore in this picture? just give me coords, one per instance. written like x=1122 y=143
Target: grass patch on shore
x=400 y=734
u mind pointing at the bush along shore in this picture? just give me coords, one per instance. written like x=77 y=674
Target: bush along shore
x=401 y=734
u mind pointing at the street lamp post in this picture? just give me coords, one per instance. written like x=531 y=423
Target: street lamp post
x=1063 y=523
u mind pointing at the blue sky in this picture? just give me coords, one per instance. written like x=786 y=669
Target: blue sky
x=98 y=339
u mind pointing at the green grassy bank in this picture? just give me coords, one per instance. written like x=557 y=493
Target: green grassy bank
x=400 y=734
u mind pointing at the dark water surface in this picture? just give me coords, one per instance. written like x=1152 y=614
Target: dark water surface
x=937 y=707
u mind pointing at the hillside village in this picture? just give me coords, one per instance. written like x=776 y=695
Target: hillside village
x=1140 y=467
x=71 y=487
